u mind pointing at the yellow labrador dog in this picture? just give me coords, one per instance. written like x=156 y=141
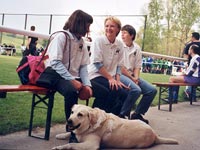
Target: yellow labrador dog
x=94 y=128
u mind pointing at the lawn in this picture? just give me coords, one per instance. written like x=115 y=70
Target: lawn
x=15 y=108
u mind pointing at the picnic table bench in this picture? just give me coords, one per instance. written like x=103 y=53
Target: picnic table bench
x=164 y=91
x=40 y=95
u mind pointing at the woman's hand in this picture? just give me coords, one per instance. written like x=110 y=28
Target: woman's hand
x=85 y=93
x=136 y=80
x=113 y=84
x=77 y=84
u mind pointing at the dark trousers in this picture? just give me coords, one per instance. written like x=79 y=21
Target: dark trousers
x=109 y=100
x=65 y=88
x=70 y=94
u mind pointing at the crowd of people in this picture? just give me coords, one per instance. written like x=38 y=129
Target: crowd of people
x=161 y=65
x=7 y=49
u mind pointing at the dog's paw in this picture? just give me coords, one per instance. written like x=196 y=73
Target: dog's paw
x=62 y=136
x=62 y=147
x=56 y=148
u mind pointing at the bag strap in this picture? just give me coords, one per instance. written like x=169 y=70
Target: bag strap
x=49 y=40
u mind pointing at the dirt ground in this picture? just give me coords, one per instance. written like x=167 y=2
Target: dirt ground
x=183 y=124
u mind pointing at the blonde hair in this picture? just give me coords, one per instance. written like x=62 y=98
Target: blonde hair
x=115 y=20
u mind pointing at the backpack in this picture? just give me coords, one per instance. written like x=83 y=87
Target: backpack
x=31 y=67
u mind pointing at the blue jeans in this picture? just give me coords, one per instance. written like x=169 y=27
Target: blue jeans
x=147 y=90
x=189 y=90
x=173 y=93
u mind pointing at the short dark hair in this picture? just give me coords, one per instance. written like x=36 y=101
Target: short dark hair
x=130 y=29
x=78 y=22
x=32 y=28
x=195 y=48
x=195 y=35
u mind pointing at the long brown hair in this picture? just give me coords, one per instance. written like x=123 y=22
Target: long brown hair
x=78 y=23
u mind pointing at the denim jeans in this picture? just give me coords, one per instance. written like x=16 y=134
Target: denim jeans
x=189 y=90
x=173 y=93
x=147 y=90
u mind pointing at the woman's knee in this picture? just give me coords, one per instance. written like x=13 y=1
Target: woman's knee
x=136 y=91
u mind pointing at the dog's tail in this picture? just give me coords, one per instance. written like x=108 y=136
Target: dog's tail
x=161 y=140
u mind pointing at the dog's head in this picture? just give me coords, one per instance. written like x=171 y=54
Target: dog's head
x=85 y=119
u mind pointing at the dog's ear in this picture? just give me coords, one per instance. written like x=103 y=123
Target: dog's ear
x=97 y=116
x=93 y=117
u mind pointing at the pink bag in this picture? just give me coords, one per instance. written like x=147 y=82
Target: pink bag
x=30 y=68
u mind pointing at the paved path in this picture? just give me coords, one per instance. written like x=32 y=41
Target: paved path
x=183 y=124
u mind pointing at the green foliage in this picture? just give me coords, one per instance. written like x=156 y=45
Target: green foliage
x=169 y=25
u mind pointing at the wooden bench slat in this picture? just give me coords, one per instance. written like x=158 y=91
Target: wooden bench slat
x=174 y=84
x=16 y=88
x=40 y=95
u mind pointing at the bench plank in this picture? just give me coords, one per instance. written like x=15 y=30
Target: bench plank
x=18 y=88
x=174 y=84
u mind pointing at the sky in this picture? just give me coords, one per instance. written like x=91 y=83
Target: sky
x=66 y=7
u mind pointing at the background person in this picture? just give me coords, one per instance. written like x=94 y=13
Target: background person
x=131 y=75
x=192 y=74
x=31 y=46
x=194 y=40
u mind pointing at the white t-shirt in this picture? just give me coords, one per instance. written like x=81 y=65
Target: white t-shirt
x=109 y=54
x=132 y=57
x=78 y=52
x=193 y=68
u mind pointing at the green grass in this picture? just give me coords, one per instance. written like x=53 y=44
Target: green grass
x=15 y=108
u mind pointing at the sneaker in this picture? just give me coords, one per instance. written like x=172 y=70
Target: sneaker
x=139 y=116
x=175 y=101
x=187 y=93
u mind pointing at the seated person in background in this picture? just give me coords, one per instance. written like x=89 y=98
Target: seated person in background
x=192 y=74
x=131 y=75
x=194 y=39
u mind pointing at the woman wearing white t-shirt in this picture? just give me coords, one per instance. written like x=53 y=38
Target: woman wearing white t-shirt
x=69 y=57
x=104 y=69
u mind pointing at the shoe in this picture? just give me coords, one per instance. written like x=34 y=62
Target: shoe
x=73 y=138
x=175 y=101
x=187 y=94
x=194 y=100
x=139 y=116
x=122 y=116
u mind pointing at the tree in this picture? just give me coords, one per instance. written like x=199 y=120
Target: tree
x=168 y=25
x=152 y=39
x=185 y=14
